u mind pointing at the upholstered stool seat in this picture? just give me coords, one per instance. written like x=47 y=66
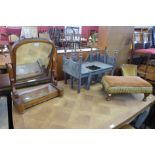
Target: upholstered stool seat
x=126 y=84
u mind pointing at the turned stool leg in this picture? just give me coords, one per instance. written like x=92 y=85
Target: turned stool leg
x=145 y=96
x=108 y=97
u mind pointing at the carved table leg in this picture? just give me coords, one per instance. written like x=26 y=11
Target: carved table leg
x=145 y=96
x=108 y=97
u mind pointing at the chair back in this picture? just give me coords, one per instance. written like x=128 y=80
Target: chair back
x=129 y=70
x=72 y=67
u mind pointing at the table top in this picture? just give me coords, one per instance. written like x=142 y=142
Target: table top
x=4 y=59
x=88 y=110
x=102 y=67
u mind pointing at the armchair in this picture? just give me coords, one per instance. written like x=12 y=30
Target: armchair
x=129 y=70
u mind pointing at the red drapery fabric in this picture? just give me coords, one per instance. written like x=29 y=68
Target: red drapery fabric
x=4 y=40
x=87 y=29
x=14 y=30
x=17 y=30
x=46 y=28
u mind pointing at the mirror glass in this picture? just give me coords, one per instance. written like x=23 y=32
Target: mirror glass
x=32 y=59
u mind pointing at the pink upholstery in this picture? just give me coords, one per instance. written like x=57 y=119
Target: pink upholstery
x=146 y=51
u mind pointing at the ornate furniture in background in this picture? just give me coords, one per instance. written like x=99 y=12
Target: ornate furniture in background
x=142 y=38
x=29 y=32
x=56 y=35
x=4 y=59
x=72 y=37
x=34 y=65
x=148 y=72
x=143 y=55
x=4 y=40
x=14 y=34
x=146 y=67
x=5 y=90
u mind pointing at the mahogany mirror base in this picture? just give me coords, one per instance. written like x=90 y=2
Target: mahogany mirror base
x=28 y=97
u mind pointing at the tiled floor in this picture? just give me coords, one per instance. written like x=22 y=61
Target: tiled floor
x=89 y=109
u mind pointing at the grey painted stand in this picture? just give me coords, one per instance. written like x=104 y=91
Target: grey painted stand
x=95 y=66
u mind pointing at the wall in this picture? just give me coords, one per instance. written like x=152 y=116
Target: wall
x=117 y=38
x=86 y=30
x=103 y=37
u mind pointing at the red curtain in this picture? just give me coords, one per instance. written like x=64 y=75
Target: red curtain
x=87 y=29
x=46 y=28
x=17 y=30
x=14 y=30
x=4 y=40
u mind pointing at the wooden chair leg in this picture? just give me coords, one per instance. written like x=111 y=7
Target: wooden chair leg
x=145 y=96
x=65 y=78
x=79 y=85
x=100 y=77
x=72 y=81
x=112 y=72
x=89 y=82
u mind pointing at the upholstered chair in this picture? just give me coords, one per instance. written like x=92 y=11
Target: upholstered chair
x=129 y=70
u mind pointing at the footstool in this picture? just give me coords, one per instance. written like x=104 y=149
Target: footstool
x=126 y=84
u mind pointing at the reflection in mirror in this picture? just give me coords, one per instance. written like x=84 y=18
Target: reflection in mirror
x=32 y=59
